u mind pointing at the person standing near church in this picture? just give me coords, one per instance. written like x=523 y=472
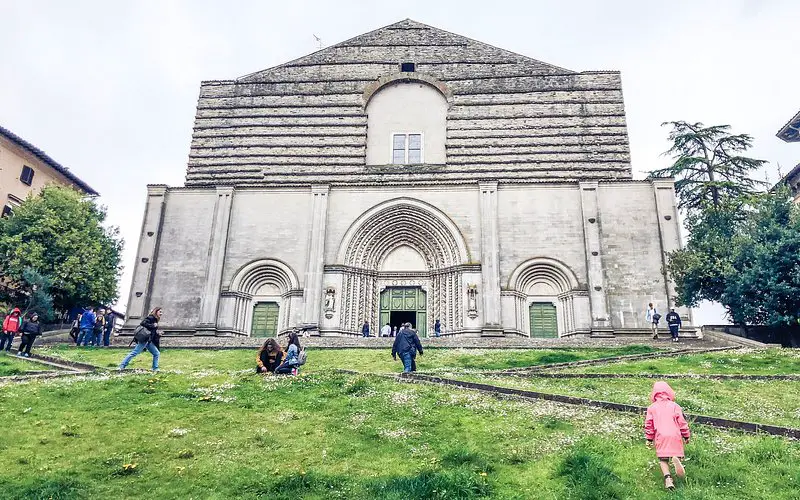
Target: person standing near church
x=386 y=330
x=365 y=329
x=674 y=323
x=87 y=326
x=109 y=328
x=437 y=328
x=11 y=325
x=30 y=329
x=652 y=318
x=406 y=344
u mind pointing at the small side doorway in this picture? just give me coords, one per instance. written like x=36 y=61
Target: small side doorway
x=265 y=319
x=543 y=317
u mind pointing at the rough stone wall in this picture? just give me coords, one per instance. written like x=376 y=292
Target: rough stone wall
x=512 y=118
x=631 y=252
x=182 y=260
x=540 y=221
x=268 y=224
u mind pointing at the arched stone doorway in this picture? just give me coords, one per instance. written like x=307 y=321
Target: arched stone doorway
x=261 y=300
x=549 y=300
x=400 y=246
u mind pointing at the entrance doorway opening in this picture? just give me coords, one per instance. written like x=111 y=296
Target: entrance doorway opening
x=265 y=319
x=405 y=305
x=397 y=318
x=543 y=320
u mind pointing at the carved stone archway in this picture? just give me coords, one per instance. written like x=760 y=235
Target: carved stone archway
x=380 y=231
x=263 y=280
x=543 y=279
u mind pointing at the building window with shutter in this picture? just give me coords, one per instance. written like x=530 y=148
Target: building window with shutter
x=27 y=175
x=406 y=149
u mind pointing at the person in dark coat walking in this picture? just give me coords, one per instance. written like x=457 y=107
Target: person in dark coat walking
x=406 y=344
x=151 y=343
x=365 y=329
x=30 y=330
x=674 y=323
x=110 y=320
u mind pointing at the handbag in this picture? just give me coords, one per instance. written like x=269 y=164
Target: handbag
x=141 y=334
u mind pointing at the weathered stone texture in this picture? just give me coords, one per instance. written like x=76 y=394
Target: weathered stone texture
x=495 y=94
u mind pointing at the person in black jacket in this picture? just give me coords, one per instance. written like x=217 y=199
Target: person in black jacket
x=151 y=343
x=30 y=330
x=674 y=322
x=406 y=344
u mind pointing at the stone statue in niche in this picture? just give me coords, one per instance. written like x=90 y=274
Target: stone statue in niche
x=330 y=302
x=472 y=301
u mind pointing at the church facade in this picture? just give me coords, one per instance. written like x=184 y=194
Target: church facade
x=408 y=174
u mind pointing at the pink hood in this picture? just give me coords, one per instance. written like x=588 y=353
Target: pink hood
x=662 y=392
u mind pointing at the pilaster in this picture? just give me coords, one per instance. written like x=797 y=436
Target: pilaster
x=209 y=300
x=146 y=254
x=312 y=290
x=490 y=255
x=669 y=236
x=598 y=301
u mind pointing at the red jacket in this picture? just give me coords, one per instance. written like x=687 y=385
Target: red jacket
x=11 y=323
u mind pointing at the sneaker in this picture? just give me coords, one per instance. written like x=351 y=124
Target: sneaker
x=294 y=371
x=20 y=354
x=27 y=355
x=668 y=482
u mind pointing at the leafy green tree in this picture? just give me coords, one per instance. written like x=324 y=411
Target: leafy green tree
x=763 y=288
x=59 y=235
x=701 y=269
x=709 y=166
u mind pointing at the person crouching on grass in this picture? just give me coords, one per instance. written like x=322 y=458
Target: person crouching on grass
x=666 y=426
x=269 y=357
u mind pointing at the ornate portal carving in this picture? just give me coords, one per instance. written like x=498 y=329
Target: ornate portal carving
x=472 y=301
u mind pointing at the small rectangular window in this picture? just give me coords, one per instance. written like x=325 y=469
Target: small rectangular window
x=399 y=148
x=27 y=175
x=407 y=67
x=7 y=211
x=406 y=149
x=414 y=148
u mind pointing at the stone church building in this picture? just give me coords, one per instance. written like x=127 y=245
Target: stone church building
x=408 y=174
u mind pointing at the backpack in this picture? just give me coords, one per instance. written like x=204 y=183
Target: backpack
x=141 y=334
x=656 y=318
x=301 y=358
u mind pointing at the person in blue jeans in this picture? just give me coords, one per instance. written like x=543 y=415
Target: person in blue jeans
x=151 y=343
x=87 y=327
x=406 y=345
x=437 y=328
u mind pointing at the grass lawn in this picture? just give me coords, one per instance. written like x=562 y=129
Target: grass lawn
x=366 y=360
x=219 y=433
x=12 y=365
x=768 y=402
x=743 y=361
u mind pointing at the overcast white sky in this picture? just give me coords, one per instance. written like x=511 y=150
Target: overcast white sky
x=109 y=88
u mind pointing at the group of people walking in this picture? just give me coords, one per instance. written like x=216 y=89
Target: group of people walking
x=93 y=328
x=29 y=328
x=674 y=323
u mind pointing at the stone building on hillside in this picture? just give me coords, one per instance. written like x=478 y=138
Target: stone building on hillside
x=26 y=169
x=408 y=174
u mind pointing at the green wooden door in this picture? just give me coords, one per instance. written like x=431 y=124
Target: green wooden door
x=411 y=299
x=265 y=319
x=543 y=320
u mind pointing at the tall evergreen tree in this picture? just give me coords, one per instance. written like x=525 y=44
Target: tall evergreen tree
x=709 y=165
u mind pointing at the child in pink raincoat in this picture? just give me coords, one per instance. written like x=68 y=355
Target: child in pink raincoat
x=666 y=426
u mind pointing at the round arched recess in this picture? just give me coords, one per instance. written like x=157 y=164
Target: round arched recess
x=403 y=242
x=403 y=222
x=541 y=281
x=266 y=286
x=383 y=81
x=406 y=122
